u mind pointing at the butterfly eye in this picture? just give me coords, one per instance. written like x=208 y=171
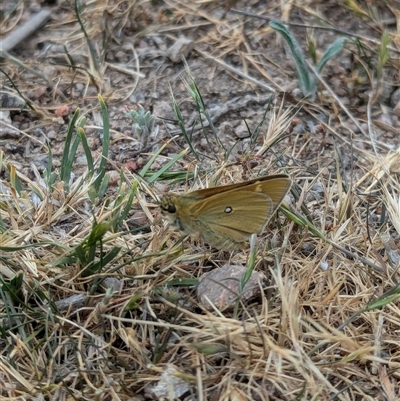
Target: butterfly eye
x=228 y=209
x=171 y=209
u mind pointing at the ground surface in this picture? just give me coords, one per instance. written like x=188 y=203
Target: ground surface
x=339 y=148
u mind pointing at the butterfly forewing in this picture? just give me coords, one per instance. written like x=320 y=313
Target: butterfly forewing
x=281 y=180
x=226 y=216
x=276 y=188
x=246 y=211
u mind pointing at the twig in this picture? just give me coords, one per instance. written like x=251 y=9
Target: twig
x=24 y=31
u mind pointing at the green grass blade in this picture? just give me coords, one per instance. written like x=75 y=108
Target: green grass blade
x=65 y=169
x=181 y=124
x=88 y=153
x=98 y=184
x=306 y=80
x=155 y=176
x=335 y=48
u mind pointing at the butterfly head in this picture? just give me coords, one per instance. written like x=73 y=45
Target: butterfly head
x=170 y=209
x=167 y=206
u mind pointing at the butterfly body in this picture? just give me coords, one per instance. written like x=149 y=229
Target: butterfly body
x=226 y=216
